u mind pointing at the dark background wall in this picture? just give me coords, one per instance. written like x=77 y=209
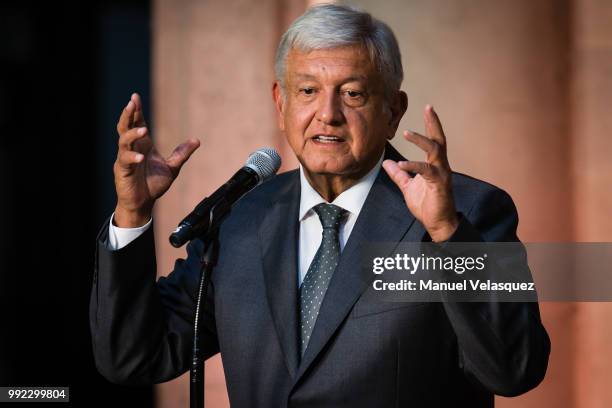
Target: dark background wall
x=66 y=71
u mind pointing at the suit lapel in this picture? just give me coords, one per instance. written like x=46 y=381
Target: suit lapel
x=279 y=238
x=383 y=218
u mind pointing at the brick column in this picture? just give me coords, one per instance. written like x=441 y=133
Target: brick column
x=591 y=130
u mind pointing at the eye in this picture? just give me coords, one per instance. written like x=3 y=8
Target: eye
x=307 y=91
x=354 y=98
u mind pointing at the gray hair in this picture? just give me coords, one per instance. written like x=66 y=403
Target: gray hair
x=331 y=25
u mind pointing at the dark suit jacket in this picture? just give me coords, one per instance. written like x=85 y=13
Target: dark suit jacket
x=362 y=353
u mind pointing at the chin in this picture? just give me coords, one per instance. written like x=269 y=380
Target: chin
x=325 y=167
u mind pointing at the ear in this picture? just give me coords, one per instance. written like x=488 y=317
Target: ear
x=279 y=104
x=397 y=106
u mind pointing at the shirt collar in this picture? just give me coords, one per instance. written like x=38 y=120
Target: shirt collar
x=351 y=200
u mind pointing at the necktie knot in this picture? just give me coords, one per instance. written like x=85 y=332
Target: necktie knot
x=330 y=215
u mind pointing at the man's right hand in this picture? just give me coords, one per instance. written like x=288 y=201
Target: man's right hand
x=142 y=175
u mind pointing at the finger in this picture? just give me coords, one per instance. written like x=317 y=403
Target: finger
x=125 y=120
x=139 y=119
x=433 y=126
x=424 y=169
x=182 y=153
x=126 y=141
x=127 y=158
x=396 y=174
x=436 y=154
x=424 y=143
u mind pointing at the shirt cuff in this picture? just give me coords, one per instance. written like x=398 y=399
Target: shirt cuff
x=121 y=237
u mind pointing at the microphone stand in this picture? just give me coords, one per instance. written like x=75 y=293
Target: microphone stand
x=196 y=375
x=208 y=260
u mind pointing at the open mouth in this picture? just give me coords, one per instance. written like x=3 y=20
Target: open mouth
x=327 y=139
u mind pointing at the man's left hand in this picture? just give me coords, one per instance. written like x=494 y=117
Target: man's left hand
x=428 y=190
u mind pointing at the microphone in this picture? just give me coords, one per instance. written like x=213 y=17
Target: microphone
x=208 y=214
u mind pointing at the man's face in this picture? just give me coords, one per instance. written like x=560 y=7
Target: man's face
x=334 y=112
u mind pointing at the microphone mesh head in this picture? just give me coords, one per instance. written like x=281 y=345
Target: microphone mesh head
x=265 y=162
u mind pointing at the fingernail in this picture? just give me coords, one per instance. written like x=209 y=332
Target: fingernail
x=139 y=157
x=141 y=131
x=129 y=105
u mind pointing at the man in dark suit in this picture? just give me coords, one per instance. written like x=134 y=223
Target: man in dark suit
x=291 y=311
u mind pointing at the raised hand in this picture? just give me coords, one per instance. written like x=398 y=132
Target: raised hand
x=428 y=190
x=142 y=175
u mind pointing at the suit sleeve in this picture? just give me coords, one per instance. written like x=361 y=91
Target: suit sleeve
x=503 y=346
x=142 y=329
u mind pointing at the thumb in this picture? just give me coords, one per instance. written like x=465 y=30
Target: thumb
x=396 y=174
x=182 y=153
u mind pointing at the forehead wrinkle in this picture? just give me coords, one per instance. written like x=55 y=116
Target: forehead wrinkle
x=351 y=56
x=352 y=78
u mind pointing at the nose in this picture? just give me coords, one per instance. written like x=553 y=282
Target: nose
x=329 y=109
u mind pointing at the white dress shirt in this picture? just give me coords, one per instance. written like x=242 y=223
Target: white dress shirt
x=311 y=230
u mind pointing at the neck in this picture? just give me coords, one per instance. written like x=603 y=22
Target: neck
x=329 y=186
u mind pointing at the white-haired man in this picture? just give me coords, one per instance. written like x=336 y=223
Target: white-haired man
x=294 y=319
